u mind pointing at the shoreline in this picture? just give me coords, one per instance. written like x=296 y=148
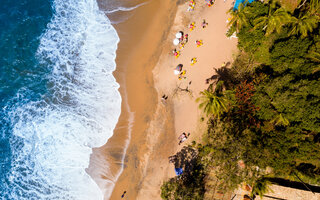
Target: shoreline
x=144 y=72
x=137 y=92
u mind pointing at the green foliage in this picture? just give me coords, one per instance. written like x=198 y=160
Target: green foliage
x=239 y=18
x=304 y=24
x=211 y=103
x=274 y=21
x=189 y=185
x=261 y=187
x=265 y=110
x=285 y=103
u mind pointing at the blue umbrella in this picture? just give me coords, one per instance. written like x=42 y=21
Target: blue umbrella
x=178 y=171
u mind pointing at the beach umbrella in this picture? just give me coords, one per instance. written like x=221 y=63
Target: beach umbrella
x=176 y=41
x=178 y=35
x=178 y=171
x=179 y=67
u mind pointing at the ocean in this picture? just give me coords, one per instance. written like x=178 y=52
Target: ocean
x=58 y=96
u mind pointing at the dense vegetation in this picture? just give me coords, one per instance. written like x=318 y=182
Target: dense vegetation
x=263 y=111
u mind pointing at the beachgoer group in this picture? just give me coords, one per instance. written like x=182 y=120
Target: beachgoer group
x=176 y=53
x=191 y=6
x=183 y=40
x=209 y=3
x=192 y=26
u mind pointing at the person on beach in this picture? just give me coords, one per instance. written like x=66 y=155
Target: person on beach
x=191 y=6
x=182 y=45
x=209 y=3
x=172 y=159
x=164 y=97
x=182 y=75
x=192 y=26
x=183 y=137
x=182 y=36
x=176 y=53
x=204 y=23
x=193 y=60
x=123 y=194
x=199 y=43
x=186 y=38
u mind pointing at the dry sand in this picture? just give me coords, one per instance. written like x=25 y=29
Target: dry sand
x=145 y=67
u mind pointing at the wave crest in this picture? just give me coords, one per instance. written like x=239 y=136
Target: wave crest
x=53 y=137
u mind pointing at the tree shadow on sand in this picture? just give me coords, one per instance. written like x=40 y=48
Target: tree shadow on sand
x=187 y=159
x=223 y=74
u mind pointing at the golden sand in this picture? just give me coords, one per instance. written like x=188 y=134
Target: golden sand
x=145 y=67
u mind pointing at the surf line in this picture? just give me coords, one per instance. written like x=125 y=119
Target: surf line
x=124 y=9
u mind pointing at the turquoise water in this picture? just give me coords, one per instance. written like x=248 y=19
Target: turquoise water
x=58 y=97
x=238 y=2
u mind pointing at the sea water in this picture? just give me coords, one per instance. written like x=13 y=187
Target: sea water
x=58 y=97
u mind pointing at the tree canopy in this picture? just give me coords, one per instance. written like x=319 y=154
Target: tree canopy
x=272 y=126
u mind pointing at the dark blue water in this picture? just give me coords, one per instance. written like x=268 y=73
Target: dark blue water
x=58 y=97
x=22 y=79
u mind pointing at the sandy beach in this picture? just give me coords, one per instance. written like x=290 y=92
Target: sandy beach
x=148 y=126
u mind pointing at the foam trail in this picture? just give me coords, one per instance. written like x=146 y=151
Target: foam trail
x=114 y=179
x=124 y=8
x=54 y=136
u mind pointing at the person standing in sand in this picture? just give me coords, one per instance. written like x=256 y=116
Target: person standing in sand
x=204 y=23
x=123 y=194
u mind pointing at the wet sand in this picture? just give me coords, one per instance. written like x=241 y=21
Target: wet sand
x=140 y=45
x=145 y=72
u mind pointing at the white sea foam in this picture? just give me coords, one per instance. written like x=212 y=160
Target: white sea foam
x=55 y=135
x=126 y=9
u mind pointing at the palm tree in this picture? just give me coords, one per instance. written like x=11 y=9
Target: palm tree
x=313 y=7
x=304 y=24
x=238 y=18
x=261 y=187
x=211 y=103
x=274 y=21
x=280 y=120
x=315 y=56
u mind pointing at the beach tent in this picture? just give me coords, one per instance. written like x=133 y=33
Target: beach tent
x=238 y=2
x=178 y=171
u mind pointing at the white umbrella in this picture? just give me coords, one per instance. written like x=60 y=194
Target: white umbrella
x=176 y=72
x=178 y=35
x=176 y=41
